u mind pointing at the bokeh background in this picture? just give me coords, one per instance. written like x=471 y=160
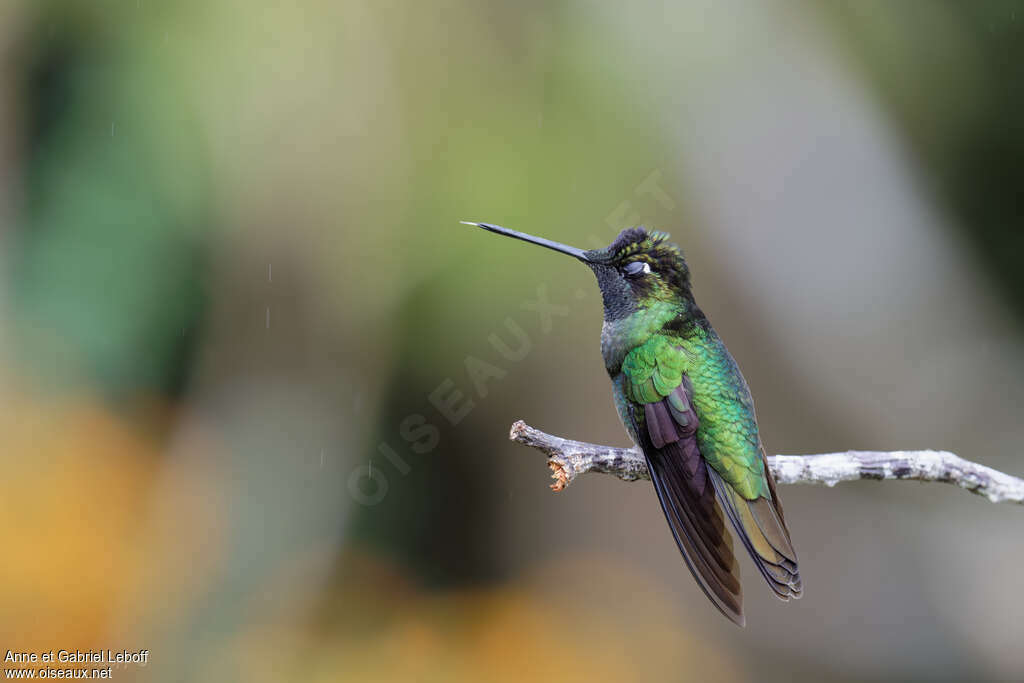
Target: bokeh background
x=235 y=294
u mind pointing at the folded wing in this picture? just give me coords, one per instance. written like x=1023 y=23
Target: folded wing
x=695 y=497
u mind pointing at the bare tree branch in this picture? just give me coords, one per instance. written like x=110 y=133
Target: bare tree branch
x=568 y=459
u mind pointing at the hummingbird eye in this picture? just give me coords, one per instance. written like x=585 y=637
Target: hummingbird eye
x=636 y=268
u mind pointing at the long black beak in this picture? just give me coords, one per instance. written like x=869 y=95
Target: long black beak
x=563 y=248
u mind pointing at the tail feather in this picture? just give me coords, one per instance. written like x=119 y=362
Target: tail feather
x=762 y=530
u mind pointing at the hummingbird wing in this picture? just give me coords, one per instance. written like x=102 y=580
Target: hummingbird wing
x=693 y=489
x=665 y=424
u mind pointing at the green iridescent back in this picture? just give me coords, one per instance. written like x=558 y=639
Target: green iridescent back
x=727 y=435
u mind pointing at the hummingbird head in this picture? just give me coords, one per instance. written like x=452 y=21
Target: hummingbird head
x=634 y=272
x=640 y=268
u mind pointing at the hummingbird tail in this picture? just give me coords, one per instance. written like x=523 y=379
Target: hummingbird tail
x=762 y=529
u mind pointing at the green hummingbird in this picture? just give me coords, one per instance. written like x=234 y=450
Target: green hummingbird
x=682 y=399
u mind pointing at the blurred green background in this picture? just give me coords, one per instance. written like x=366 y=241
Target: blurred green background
x=235 y=294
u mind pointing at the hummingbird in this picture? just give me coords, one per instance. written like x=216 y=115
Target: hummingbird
x=684 y=402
